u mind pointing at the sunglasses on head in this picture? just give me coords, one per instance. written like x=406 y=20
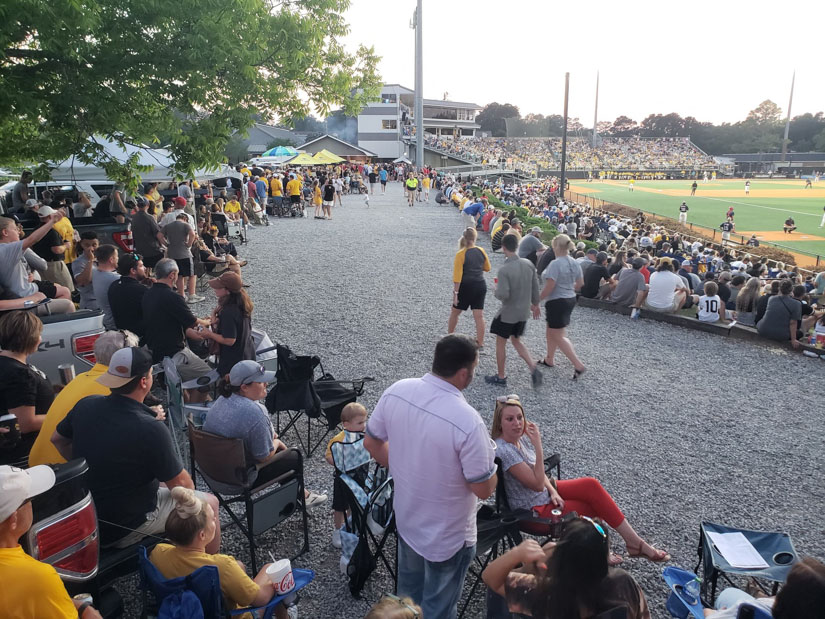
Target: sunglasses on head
x=395 y=598
x=595 y=524
x=513 y=397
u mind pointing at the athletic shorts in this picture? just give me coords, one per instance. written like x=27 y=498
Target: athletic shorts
x=383 y=182
x=295 y=199
x=184 y=267
x=471 y=295
x=507 y=329
x=558 y=312
x=151 y=261
x=47 y=288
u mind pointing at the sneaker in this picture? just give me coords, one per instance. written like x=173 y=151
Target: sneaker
x=292 y=612
x=194 y=298
x=494 y=379
x=336 y=538
x=634 y=315
x=343 y=563
x=536 y=377
x=314 y=499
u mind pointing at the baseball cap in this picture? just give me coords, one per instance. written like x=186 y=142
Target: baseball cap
x=246 y=372
x=31 y=203
x=686 y=263
x=638 y=263
x=45 y=211
x=536 y=229
x=126 y=364
x=592 y=251
x=514 y=221
x=18 y=485
x=179 y=201
x=139 y=201
x=229 y=280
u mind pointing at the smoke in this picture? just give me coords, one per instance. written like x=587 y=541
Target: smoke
x=343 y=127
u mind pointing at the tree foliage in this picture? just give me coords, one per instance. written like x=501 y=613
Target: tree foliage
x=192 y=72
x=492 y=117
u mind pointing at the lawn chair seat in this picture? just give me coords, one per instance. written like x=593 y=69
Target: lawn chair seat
x=265 y=351
x=224 y=466
x=234 y=230
x=528 y=521
x=677 y=605
x=776 y=548
x=751 y=611
x=368 y=490
x=205 y=584
x=177 y=411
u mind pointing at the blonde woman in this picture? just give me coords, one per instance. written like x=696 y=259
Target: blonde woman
x=562 y=280
x=469 y=287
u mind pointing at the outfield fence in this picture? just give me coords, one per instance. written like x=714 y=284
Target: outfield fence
x=705 y=232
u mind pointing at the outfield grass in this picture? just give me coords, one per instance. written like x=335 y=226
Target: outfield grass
x=764 y=211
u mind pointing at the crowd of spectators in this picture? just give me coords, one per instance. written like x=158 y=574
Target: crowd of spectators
x=609 y=154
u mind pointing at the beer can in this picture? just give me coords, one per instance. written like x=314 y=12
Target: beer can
x=556 y=523
x=82 y=598
x=67 y=372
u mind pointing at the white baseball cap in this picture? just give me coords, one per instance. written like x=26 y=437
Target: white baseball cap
x=45 y=211
x=18 y=485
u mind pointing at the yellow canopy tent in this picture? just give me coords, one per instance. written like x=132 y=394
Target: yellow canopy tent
x=303 y=159
x=325 y=157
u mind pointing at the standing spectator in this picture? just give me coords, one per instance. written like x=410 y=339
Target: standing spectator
x=52 y=248
x=261 y=190
x=518 y=291
x=83 y=269
x=563 y=277
x=231 y=322
x=24 y=390
x=37 y=591
x=469 y=287
x=470 y=214
x=103 y=277
x=149 y=240
x=185 y=192
x=382 y=176
x=329 y=198
x=20 y=193
x=438 y=477
x=126 y=295
x=783 y=312
x=129 y=454
x=83 y=207
x=180 y=236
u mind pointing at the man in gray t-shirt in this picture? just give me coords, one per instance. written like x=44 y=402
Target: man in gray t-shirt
x=631 y=289
x=531 y=246
x=179 y=238
x=102 y=278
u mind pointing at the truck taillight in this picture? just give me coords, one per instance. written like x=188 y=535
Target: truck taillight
x=83 y=346
x=124 y=240
x=68 y=541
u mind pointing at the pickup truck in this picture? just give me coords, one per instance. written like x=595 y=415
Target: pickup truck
x=68 y=338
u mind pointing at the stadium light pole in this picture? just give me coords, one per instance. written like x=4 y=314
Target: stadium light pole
x=596 y=112
x=419 y=89
x=564 y=135
x=788 y=121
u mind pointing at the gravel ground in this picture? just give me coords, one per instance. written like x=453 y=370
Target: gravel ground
x=679 y=426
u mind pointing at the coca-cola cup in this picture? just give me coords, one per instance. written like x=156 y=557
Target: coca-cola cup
x=280 y=574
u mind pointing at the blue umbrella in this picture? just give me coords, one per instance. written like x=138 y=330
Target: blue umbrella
x=280 y=151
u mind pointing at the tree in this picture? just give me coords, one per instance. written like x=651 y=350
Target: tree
x=195 y=71
x=804 y=129
x=491 y=118
x=663 y=125
x=623 y=127
x=766 y=113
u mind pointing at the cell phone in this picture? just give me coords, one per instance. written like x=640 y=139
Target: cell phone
x=11 y=437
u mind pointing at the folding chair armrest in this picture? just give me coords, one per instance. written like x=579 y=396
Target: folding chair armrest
x=553 y=462
x=302 y=578
x=277 y=480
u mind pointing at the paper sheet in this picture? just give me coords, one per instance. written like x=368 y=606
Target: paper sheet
x=737 y=550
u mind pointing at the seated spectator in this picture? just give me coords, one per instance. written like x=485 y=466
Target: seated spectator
x=531 y=246
x=495 y=241
x=231 y=322
x=668 y=292
x=746 y=302
x=487 y=219
x=618 y=263
x=710 y=306
x=24 y=390
x=802 y=596
x=597 y=280
x=10 y=303
x=190 y=527
x=519 y=446
x=354 y=421
x=574 y=578
x=102 y=277
x=83 y=269
x=393 y=607
x=809 y=316
x=84 y=384
x=15 y=277
x=169 y=322
x=630 y=290
x=33 y=590
x=238 y=413
x=129 y=453
x=219 y=245
x=588 y=259
x=52 y=248
x=782 y=314
x=126 y=294
x=762 y=303
x=211 y=261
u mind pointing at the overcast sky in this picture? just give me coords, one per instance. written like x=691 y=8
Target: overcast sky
x=712 y=60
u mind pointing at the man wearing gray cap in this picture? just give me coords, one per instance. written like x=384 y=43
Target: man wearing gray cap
x=531 y=246
x=31 y=589
x=631 y=289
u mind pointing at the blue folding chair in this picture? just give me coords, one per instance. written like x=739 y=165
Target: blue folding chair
x=750 y=611
x=205 y=583
x=678 y=605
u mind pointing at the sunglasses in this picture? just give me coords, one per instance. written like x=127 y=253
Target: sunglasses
x=402 y=603
x=595 y=524
x=508 y=398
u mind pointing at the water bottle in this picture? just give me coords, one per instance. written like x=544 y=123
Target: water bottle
x=690 y=590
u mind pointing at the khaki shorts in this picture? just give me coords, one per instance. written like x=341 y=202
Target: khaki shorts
x=677 y=304
x=189 y=365
x=156 y=520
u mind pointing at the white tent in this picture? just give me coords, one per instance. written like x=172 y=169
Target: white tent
x=159 y=158
x=401 y=159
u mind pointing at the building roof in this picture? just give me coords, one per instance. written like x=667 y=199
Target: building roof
x=447 y=122
x=775 y=157
x=440 y=103
x=409 y=90
x=332 y=137
x=275 y=132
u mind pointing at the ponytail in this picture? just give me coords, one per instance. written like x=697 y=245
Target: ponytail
x=469 y=236
x=225 y=388
x=563 y=242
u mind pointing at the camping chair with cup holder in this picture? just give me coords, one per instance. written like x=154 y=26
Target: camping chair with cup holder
x=199 y=594
x=223 y=464
x=368 y=490
x=298 y=393
x=177 y=410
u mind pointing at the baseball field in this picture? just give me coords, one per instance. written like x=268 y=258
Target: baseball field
x=762 y=212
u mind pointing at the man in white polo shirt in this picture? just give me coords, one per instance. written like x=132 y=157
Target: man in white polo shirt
x=442 y=461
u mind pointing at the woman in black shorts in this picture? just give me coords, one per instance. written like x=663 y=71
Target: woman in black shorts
x=562 y=279
x=469 y=287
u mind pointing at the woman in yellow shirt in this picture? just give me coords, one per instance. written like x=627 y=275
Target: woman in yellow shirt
x=316 y=200
x=66 y=231
x=190 y=527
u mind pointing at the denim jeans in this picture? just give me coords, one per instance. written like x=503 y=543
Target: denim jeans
x=434 y=585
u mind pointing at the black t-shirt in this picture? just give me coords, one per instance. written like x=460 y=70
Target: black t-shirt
x=126 y=300
x=592 y=277
x=128 y=452
x=43 y=247
x=373 y=177
x=329 y=193
x=545 y=259
x=724 y=292
x=21 y=385
x=234 y=325
x=761 y=307
x=102 y=208
x=614 y=268
x=166 y=317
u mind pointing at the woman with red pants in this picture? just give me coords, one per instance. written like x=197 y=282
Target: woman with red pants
x=518 y=445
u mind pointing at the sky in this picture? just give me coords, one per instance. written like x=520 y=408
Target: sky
x=715 y=61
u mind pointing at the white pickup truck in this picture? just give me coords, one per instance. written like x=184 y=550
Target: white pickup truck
x=68 y=338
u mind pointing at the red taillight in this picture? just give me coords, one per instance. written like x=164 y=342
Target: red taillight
x=83 y=347
x=69 y=541
x=124 y=240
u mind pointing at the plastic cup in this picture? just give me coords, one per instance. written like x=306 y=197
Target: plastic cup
x=280 y=574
